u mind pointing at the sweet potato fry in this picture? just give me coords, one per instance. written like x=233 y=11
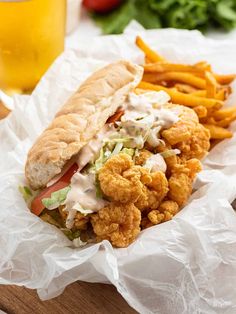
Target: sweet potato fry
x=184 y=99
x=225 y=79
x=150 y=54
x=218 y=132
x=211 y=85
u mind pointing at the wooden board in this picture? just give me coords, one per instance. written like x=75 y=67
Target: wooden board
x=78 y=298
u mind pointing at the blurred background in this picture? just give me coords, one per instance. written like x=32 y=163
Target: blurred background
x=33 y=33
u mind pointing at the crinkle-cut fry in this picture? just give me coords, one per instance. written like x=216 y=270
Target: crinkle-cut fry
x=173 y=67
x=184 y=99
x=185 y=88
x=218 y=132
x=211 y=85
x=181 y=77
x=201 y=111
x=225 y=79
x=199 y=93
x=224 y=113
x=150 y=54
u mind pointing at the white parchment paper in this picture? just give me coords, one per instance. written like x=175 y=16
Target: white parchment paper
x=187 y=265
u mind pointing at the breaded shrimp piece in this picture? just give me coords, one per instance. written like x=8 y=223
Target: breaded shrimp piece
x=117 y=223
x=155 y=189
x=120 y=180
x=169 y=206
x=180 y=182
x=197 y=146
x=184 y=127
x=142 y=157
x=124 y=182
x=165 y=212
x=146 y=223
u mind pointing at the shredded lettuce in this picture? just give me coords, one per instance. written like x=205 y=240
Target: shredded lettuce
x=117 y=149
x=27 y=194
x=82 y=210
x=49 y=219
x=128 y=151
x=71 y=235
x=57 y=198
x=99 y=193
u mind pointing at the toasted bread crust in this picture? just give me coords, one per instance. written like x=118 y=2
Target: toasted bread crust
x=84 y=114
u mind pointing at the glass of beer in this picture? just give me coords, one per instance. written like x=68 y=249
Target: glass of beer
x=31 y=36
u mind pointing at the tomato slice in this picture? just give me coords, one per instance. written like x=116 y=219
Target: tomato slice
x=37 y=206
x=116 y=116
x=101 y=6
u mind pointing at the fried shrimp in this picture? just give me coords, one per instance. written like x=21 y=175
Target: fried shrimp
x=120 y=179
x=124 y=182
x=180 y=182
x=155 y=189
x=197 y=146
x=142 y=157
x=165 y=212
x=118 y=223
x=181 y=130
x=187 y=134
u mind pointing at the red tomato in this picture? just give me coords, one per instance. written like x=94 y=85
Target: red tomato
x=37 y=206
x=101 y=6
x=116 y=116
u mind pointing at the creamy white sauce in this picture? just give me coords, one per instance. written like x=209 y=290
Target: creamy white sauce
x=82 y=194
x=90 y=152
x=156 y=163
x=145 y=116
x=87 y=154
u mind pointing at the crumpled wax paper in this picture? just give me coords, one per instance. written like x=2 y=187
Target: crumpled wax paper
x=187 y=265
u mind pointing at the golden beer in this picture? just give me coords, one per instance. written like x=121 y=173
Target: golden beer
x=31 y=37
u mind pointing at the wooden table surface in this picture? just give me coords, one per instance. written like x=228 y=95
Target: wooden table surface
x=78 y=298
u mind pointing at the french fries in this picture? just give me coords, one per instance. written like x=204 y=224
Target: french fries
x=225 y=79
x=150 y=54
x=211 y=85
x=217 y=132
x=183 y=99
x=3 y=111
x=195 y=86
x=186 y=78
